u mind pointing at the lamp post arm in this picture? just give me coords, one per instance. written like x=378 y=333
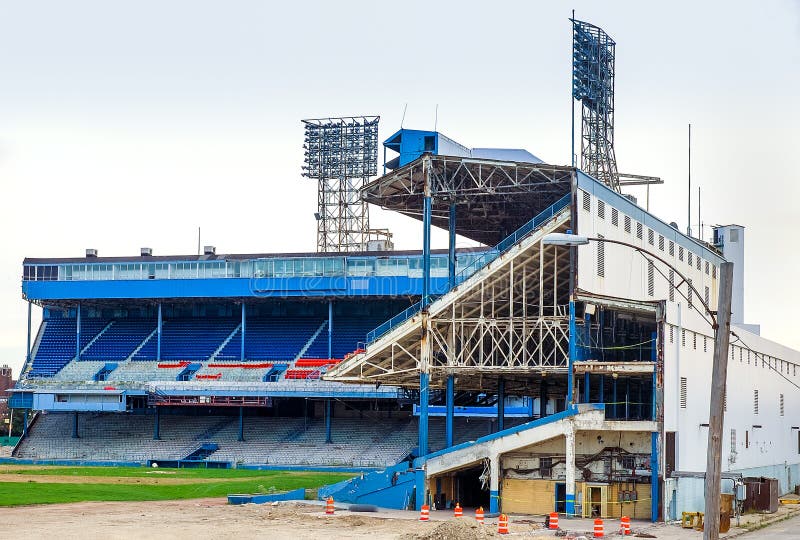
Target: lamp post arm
x=645 y=254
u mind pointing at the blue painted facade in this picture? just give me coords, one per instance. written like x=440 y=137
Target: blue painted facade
x=395 y=487
x=294 y=495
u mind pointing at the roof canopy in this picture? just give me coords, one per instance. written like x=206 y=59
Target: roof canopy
x=493 y=198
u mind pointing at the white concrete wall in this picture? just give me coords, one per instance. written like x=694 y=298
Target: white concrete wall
x=775 y=445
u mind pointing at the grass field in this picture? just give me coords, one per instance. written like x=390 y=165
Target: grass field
x=21 y=485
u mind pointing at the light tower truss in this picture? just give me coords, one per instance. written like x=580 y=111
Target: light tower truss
x=593 y=86
x=342 y=154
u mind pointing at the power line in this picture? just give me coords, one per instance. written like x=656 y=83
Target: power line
x=769 y=364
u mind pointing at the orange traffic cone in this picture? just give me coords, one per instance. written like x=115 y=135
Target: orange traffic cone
x=554 y=520
x=598 y=528
x=625 y=526
x=458 y=512
x=502 y=524
x=329 y=506
x=479 y=514
x=424 y=513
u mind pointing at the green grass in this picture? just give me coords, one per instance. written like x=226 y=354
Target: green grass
x=238 y=481
x=145 y=472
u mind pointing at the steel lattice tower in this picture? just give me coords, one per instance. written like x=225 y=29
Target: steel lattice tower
x=593 y=86
x=342 y=154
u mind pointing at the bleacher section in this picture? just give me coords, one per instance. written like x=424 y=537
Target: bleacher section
x=357 y=442
x=279 y=340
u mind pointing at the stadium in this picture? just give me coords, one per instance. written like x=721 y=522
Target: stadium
x=561 y=366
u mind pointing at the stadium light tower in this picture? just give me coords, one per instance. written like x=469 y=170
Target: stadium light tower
x=341 y=154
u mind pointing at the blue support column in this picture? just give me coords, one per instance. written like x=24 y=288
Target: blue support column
x=501 y=404
x=543 y=399
x=158 y=334
x=601 y=389
x=450 y=411
x=330 y=328
x=654 y=476
x=244 y=330
x=25 y=423
x=426 y=251
x=573 y=350
x=423 y=414
x=78 y=334
x=451 y=252
x=421 y=487
x=28 y=355
x=241 y=424
x=75 y=426
x=328 y=422
x=157 y=424
x=587 y=388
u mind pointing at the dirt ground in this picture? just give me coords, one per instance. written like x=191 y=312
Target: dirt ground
x=214 y=518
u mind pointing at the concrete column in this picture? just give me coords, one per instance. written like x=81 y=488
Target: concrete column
x=501 y=404
x=75 y=426
x=573 y=351
x=570 y=473
x=241 y=424
x=328 y=422
x=156 y=424
x=450 y=411
x=426 y=250
x=494 y=484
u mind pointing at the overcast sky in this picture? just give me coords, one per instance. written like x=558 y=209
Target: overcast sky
x=131 y=124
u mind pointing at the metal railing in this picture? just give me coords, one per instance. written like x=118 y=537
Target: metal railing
x=477 y=263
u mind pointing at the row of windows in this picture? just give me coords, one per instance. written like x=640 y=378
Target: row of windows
x=290 y=267
x=695 y=340
x=693 y=260
x=684 y=393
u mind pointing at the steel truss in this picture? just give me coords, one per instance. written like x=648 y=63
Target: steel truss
x=510 y=319
x=342 y=154
x=593 y=85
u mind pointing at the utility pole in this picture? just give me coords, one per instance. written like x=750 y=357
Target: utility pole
x=716 y=418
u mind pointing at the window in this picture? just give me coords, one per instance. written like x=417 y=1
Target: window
x=694 y=340
x=661 y=242
x=680 y=254
x=601 y=258
x=671 y=285
x=705 y=343
x=430 y=143
x=698 y=262
x=650 y=236
x=747 y=439
x=780 y=404
x=628 y=462
x=707 y=265
x=689 y=256
x=638 y=230
x=734 y=235
x=650 y=278
x=733 y=445
x=587 y=201
x=672 y=334
x=683 y=392
x=690 y=295
x=627 y=224
x=755 y=401
x=708 y=294
x=683 y=338
x=615 y=217
x=671 y=248
x=714 y=271
x=601 y=209
x=545 y=467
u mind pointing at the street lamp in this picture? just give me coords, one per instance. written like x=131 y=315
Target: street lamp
x=720 y=318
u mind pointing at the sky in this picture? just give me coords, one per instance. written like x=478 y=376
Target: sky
x=130 y=124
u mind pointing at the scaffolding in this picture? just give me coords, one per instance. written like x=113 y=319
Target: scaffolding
x=593 y=86
x=342 y=154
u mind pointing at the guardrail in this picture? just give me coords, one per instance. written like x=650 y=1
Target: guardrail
x=478 y=263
